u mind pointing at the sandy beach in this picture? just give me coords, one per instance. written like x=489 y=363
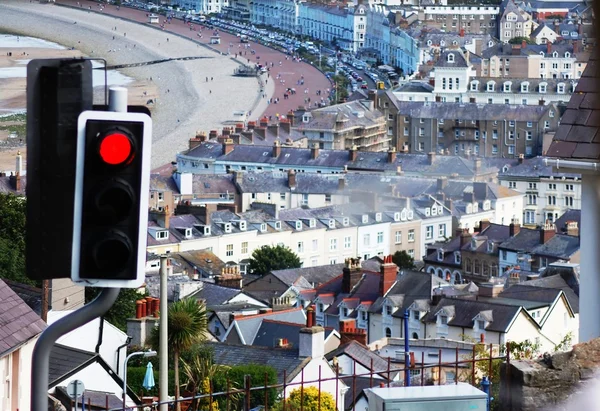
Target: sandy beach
x=185 y=101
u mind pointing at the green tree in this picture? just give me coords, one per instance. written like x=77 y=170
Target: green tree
x=12 y=238
x=122 y=309
x=520 y=40
x=199 y=373
x=403 y=260
x=187 y=325
x=307 y=399
x=268 y=258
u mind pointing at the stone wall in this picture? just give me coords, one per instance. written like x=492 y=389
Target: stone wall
x=549 y=383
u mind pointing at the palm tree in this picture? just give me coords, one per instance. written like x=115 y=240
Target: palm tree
x=187 y=326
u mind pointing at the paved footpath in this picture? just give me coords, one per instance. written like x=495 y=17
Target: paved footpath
x=283 y=76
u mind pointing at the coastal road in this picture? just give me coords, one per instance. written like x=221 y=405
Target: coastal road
x=289 y=71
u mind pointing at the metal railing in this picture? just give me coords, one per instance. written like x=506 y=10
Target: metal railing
x=233 y=398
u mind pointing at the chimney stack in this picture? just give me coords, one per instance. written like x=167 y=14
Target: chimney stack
x=431 y=157
x=251 y=125
x=391 y=155
x=264 y=122
x=291 y=179
x=227 y=146
x=372 y=95
x=572 y=228
x=483 y=224
x=239 y=127
x=312 y=342
x=351 y=274
x=523 y=44
x=19 y=164
x=161 y=217
x=212 y=134
x=273 y=129
x=548 y=48
x=353 y=153
x=310 y=317
x=442 y=183
x=389 y=272
x=285 y=126
x=547 y=232
x=276 y=149
x=314 y=151
x=514 y=227
x=349 y=332
x=290 y=118
x=461 y=32
x=521 y=158
x=465 y=237
x=261 y=132
x=341 y=183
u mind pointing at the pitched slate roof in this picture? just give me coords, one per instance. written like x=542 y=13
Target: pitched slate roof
x=569 y=215
x=459 y=59
x=363 y=356
x=31 y=295
x=63 y=360
x=18 y=322
x=577 y=136
x=535 y=166
x=205 y=262
x=560 y=246
x=465 y=310
x=280 y=359
x=270 y=331
x=315 y=275
x=524 y=240
x=557 y=282
x=249 y=325
x=356 y=387
x=213 y=294
x=410 y=286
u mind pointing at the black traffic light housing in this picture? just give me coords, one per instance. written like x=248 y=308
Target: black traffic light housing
x=111 y=199
x=58 y=90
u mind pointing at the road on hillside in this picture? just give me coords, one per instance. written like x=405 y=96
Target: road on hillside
x=288 y=71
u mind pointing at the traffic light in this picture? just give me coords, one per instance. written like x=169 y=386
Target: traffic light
x=111 y=199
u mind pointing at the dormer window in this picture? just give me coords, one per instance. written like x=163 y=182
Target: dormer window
x=312 y=223
x=305 y=118
x=486 y=205
x=490 y=246
x=507 y=87
x=331 y=223
x=410 y=214
x=443 y=320
x=433 y=210
x=469 y=208
x=428 y=211
x=227 y=227
x=206 y=230
x=440 y=210
x=457 y=259
x=474 y=85
x=188 y=233
x=450 y=58
x=440 y=254
x=525 y=87
x=298 y=225
x=475 y=207
x=378 y=217
x=473 y=244
x=162 y=235
x=555 y=54
x=365 y=219
x=491 y=85
x=388 y=310
x=567 y=54
x=278 y=225
x=398 y=215
x=543 y=87
x=346 y=221
x=243 y=225
x=560 y=88
x=263 y=228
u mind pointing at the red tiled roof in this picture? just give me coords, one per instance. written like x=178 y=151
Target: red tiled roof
x=578 y=136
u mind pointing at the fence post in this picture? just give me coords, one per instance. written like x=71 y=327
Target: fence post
x=247 y=392
x=227 y=398
x=266 y=392
x=371 y=375
x=210 y=395
x=440 y=367
x=456 y=367
x=388 y=370
x=302 y=390
x=509 y=399
x=422 y=368
x=473 y=365
x=319 y=405
x=491 y=359
x=284 y=388
x=337 y=380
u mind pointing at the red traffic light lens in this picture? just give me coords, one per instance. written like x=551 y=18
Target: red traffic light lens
x=115 y=149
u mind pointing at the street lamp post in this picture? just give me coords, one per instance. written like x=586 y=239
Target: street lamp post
x=133 y=354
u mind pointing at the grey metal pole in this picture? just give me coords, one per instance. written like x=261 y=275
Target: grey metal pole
x=163 y=377
x=117 y=99
x=40 y=368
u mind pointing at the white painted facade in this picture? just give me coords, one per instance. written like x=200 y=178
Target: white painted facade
x=86 y=337
x=292 y=200
x=434 y=229
x=373 y=239
x=15 y=370
x=545 y=198
x=202 y=6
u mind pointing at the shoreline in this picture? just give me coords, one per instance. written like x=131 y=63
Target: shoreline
x=185 y=102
